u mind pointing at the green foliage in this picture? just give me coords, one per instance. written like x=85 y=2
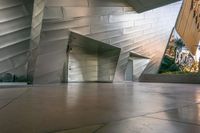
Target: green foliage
x=179 y=43
x=168 y=65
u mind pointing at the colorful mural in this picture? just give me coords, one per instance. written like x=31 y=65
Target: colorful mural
x=178 y=59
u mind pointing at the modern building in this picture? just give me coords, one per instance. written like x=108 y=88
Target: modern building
x=99 y=66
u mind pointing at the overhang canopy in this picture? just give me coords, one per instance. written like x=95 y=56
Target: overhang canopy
x=144 y=5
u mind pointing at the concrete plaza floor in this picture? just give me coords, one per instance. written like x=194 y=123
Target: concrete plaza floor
x=101 y=108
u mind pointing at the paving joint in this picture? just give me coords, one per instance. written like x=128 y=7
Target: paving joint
x=14 y=99
x=187 y=123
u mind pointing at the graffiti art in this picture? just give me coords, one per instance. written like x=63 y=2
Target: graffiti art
x=178 y=59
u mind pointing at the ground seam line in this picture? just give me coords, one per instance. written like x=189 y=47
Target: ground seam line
x=12 y=100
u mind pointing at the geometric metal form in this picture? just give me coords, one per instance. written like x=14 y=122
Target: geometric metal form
x=105 y=21
x=15 y=27
x=139 y=64
x=90 y=60
x=144 y=5
x=28 y=40
x=129 y=71
x=36 y=27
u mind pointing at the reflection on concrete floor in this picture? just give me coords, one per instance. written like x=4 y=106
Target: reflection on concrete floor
x=101 y=108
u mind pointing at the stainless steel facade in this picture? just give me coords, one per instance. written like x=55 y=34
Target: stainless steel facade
x=36 y=27
x=111 y=21
x=15 y=27
x=89 y=60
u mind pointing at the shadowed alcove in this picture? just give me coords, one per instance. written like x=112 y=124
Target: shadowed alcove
x=89 y=60
x=135 y=67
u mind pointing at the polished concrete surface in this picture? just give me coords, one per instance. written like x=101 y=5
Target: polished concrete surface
x=101 y=108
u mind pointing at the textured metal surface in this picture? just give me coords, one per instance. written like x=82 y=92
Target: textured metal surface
x=129 y=71
x=139 y=64
x=111 y=22
x=90 y=60
x=144 y=5
x=116 y=108
x=136 y=66
x=82 y=59
x=37 y=18
x=15 y=27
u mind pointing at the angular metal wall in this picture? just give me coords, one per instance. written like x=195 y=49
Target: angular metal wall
x=90 y=60
x=109 y=21
x=82 y=59
x=15 y=25
x=139 y=64
x=108 y=57
x=36 y=27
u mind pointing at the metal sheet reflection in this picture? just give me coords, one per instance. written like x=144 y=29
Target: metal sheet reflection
x=90 y=60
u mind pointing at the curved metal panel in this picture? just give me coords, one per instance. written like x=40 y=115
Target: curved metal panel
x=15 y=25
